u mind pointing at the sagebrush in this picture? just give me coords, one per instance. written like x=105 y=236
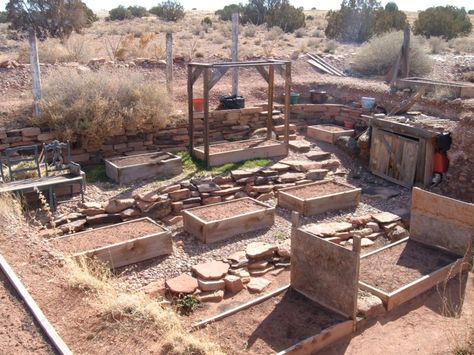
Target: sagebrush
x=376 y=56
x=95 y=105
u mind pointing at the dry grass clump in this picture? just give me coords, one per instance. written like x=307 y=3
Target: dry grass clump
x=97 y=105
x=249 y=31
x=11 y=212
x=462 y=45
x=117 y=306
x=376 y=56
x=49 y=51
x=437 y=45
x=273 y=34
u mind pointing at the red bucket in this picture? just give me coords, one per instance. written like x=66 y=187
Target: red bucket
x=198 y=105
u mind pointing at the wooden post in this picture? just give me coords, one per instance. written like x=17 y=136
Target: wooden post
x=235 y=53
x=356 y=248
x=295 y=219
x=35 y=70
x=190 y=110
x=287 y=103
x=271 y=81
x=206 y=115
x=169 y=62
x=406 y=52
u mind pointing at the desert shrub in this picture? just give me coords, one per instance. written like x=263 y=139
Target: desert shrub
x=169 y=10
x=286 y=16
x=462 y=45
x=317 y=34
x=377 y=55
x=3 y=16
x=79 y=49
x=330 y=47
x=273 y=34
x=443 y=21
x=357 y=21
x=138 y=11
x=225 y=14
x=310 y=18
x=312 y=43
x=119 y=13
x=206 y=21
x=96 y=105
x=50 y=51
x=300 y=33
x=250 y=31
x=437 y=45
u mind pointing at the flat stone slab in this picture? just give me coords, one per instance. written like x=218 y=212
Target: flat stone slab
x=238 y=259
x=318 y=155
x=328 y=229
x=257 y=284
x=301 y=165
x=211 y=285
x=118 y=205
x=386 y=217
x=260 y=250
x=182 y=284
x=214 y=297
x=213 y=270
x=279 y=167
x=291 y=177
x=233 y=283
x=300 y=146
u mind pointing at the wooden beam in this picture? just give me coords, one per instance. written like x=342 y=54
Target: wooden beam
x=35 y=70
x=235 y=52
x=206 y=89
x=169 y=62
x=271 y=83
x=195 y=74
x=263 y=72
x=287 y=103
x=240 y=308
x=37 y=313
x=217 y=75
x=191 y=109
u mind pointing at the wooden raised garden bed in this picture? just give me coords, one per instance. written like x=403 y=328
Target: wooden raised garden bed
x=223 y=220
x=328 y=133
x=234 y=152
x=120 y=244
x=318 y=197
x=125 y=170
x=405 y=269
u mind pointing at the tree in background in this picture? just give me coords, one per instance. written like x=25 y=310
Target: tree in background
x=225 y=14
x=46 y=18
x=121 y=13
x=169 y=10
x=443 y=21
x=389 y=19
x=3 y=16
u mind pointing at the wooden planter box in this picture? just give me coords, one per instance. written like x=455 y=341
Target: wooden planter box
x=154 y=241
x=125 y=170
x=234 y=152
x=328 y=133
x=210 y=230
x=412 y=289
x=321 y=201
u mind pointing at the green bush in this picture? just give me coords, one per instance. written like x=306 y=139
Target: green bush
x=377 y=56
x=206 y=21
x=97 y=105
x=225 y=14
x=443 y=21
x=138 y=11
x=357 y=21
x=119 y=13
x=286 y=16
x=169 y=10
x=3 y=16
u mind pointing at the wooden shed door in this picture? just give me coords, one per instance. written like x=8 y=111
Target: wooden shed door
x=393 y=157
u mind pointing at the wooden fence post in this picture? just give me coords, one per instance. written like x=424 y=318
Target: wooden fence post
x=235 y=52
x=35 y=70
x=169 y=62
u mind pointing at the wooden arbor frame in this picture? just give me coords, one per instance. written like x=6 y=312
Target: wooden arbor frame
x=212 y=73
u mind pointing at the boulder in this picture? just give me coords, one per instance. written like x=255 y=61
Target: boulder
x=208 y=187
x=258 y=284
x=130 y=213
x=213 y=270
x=291 y=177
x=284 y=249
x=118 y=205
x=182 y=284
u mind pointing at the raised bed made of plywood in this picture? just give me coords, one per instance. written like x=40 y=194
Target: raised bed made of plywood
x=120 y=244
x=328 y=133
x=405 y=269
x=318 y=197
x=125 y=170
x=234 y=152
x=223 y=220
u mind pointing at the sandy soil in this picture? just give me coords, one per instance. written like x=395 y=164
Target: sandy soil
x=220 y=148
x=136 y=160
x=227 y=210
x=318 y=190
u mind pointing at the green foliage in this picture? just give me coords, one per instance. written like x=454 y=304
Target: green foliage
x=169 y=10
x=3 y=16
x=187 y=304
x=286 y=16
x=49 y=18
x=206 y=21
x=119 y=13
x=95 y=173
x=225 y=14
x=443 y=21
x=358 y=20
x=191 y=164
x=138 y=11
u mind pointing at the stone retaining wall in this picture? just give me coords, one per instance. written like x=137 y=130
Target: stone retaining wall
x=224 y=125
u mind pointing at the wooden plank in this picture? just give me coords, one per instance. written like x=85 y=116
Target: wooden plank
x=329 y=65
x=217 y=75
x=58 y=344
x=206 y=89
x=235 y=52
x=263 y=72
x=401 y=128
x=430 y=150
x=325 y=134
x=169 y=62
x=375 y=291
x=271 y=83
x=317 y=264
x=321 y=340
x=240 y=308
x=319 y=66
x=195 y=74
x=287 y=104
x=442 y=221
x=191 y=108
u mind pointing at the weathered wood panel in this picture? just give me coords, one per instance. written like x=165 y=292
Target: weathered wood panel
x=325 y=272
x=442 y=221
x=325 y=134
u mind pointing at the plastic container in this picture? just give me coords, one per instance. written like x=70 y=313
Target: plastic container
x=294 y=96
x=232 y=102
x=440 y=162
x=198 y=105
x=368 y=103
x=318 y=97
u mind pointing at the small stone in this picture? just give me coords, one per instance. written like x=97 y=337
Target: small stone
x=301 y=165
x=73 y=227
x=182 y=284
x=213 y=270
x=259 y=250
x=398 y=233
x=129 y=213
x=258 y=273
x=316 y=174
x=211 y=285
x=118 y=205
x=208 y=187
x=318 y=155
x=233 y=283
x=179 y=195
x=386 y=217
x=374 y=236
x=238 y=259
x=173 y=220
x=374 y=226
x=168 y=189
x=257 y=284
x=364 y=242
x=213 y=297
x=211 y=200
